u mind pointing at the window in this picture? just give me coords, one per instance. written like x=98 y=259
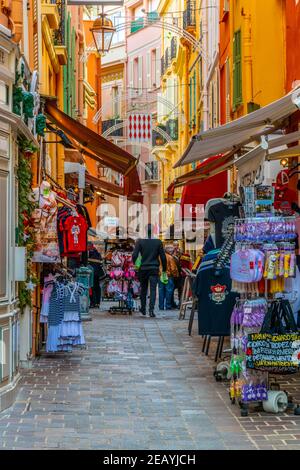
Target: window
x=3 y=234
x=237 y=70
x=140 y=75
x=4 y=93
x=227 y=89
x=115 y=102
x=119 y=34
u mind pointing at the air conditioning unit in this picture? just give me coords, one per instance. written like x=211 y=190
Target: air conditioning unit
x=226 y=6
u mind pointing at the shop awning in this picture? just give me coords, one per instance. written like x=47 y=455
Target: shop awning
x=200 y=192
x=108 y=153
x=242 y=131
x=211 y=167
x=113 y=190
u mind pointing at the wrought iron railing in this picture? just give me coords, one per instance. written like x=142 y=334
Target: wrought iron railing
x=189 y=15
x=167 y=57
x=157 y=139
x=110 y=123
x=136 y=25
x=173 y=48
x=172 y=128
x=162 y=65
x=151 y=171
x=60 y=33
x=152 y=16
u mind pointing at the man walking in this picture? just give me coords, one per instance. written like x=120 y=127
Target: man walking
x=152 y=252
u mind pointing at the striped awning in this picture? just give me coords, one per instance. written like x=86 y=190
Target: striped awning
x=242 y=131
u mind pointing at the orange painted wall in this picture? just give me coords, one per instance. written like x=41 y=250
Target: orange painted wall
x=292 y=43
x=224 y=50
x=94 y=79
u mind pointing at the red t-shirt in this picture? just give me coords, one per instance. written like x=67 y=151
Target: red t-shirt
x=75 y=234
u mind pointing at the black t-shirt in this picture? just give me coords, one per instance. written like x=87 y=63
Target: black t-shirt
x=223 y=215
x=215 y=301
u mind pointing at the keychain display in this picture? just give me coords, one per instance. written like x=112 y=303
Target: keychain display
x=265 y=229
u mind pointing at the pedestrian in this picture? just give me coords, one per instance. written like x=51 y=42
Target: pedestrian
x=166 y=290
x=152 y=253
x=178 y=280
x=95 y=261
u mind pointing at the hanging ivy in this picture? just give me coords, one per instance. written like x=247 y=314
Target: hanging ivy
x=25 y=234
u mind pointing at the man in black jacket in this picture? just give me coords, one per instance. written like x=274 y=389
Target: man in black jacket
x=151 y=250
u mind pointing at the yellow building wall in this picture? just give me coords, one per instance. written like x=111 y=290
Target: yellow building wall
x=262 y=25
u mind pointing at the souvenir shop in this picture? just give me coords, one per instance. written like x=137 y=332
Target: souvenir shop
x=61 y=225
x=246 y=288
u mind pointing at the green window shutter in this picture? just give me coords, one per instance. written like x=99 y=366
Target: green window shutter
x=195 y=100
x=73 y=76
x=237 y=69
x=190 y=103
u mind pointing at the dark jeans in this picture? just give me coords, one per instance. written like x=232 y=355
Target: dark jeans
x=146 y=277
x=178 y=284
x=96 y=291
x=166 y=292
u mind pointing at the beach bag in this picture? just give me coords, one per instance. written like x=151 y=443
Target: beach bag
x=247 y=265
x=276 y=349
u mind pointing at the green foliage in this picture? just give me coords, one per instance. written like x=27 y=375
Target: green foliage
x=17 y=99
x=28 y=104
x=40 y=124
x=26 y=208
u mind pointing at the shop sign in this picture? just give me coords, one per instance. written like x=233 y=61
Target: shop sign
x=111 y=221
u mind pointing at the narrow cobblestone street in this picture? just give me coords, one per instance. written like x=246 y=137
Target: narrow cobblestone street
x=140 y=384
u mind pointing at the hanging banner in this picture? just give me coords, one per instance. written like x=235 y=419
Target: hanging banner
x=140 y=127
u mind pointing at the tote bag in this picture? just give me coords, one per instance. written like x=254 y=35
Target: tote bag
x=276 y=348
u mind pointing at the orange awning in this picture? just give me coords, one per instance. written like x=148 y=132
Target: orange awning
x=95 y=145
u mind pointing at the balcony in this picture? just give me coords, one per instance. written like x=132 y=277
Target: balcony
x=162 y=65
x=189 y=16
x=157 y=139
x=50 y=10
x=151 y=172
x=167 y=58
x=172 y=128
x=152 y=16
x=173 y=48
x=137 y=25
x=59 y=34
x=110 y=123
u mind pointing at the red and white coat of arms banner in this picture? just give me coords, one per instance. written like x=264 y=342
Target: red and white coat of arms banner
x=140 y=127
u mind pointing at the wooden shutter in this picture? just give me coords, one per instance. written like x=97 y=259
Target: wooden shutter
x=237 y=69
x=140 y=75
x=148 y=70
x=190 y=103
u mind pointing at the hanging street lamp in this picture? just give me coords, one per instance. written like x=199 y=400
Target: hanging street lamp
x=103 y=30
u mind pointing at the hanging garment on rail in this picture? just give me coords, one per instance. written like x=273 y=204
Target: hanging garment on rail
x=64 y=321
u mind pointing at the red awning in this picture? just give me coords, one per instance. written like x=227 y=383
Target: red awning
x=199 y=192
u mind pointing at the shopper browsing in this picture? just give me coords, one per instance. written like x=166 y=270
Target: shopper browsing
x=166 y=289
x=152 y=254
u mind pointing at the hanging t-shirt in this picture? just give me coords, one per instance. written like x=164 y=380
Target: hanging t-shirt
x=215 y=301
x=223 y=216
x=75 y=237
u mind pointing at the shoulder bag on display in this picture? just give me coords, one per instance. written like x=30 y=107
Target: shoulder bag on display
x=247 y=265
x=276 y=348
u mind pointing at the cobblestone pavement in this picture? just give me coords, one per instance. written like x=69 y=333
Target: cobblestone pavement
x=141 y=383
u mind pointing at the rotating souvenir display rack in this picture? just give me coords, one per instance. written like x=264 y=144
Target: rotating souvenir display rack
x=122 y=285
x=261 y=266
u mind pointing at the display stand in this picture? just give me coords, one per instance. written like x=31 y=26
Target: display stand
x=265 y=250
